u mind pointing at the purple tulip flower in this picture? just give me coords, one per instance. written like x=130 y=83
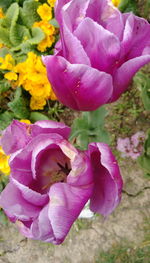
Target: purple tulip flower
x=99 y=51
x=51 y=181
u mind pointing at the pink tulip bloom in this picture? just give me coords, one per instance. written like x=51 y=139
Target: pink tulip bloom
x=99 y=51
x=51 y=181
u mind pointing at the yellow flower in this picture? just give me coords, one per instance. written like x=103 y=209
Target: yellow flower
x=45 y=12
x=1 y=13
x=7 y=63
x=33 y=78
x=45 y=43
x=4 y=166
x=37 y=104
x=25 y=121
x=116 y=2
x=11 y=76
x=49 y=31
x=47 y=28
x=51 y=2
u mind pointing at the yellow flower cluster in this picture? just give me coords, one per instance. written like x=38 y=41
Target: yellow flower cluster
x=51 y=2
x=4 y=166
x=49 y=31
x=116 y=2
x=45 y=13
x=8 y=63
x=32 y=76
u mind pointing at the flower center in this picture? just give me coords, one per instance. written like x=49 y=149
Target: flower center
x=57 y=176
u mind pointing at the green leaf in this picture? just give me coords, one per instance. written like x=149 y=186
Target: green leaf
x=142 y=82
x=144 y=162
x=128 y=6
x=27 y=47
x=146 y=95
x=4 y=86
x=54 y=23
x=29 y=13
x=96 y=118
x=3 y=218
x=4 y=4
x=19 y=105
x=90 y=128
x=4 y=37
x=144 y=159
x=3 y=52
x=18 y=33
x=102 y=135
x=11 y=16
x=37 y=36
x=5 y=119
x=36 y=116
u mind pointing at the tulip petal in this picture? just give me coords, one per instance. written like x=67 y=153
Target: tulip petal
x=104 y=13
x=19 y=132
x=125 y=73
x=105 y=45
x=66 y=203
x=29 y=195
x=15 y=206
x=136 y=36
x=43 y=151
x=108 y=183
x=41 y=228
x=72 y=11
x=81 y=171
x=72 y=48
x=78 y=86
x=21 y=167
x=58 y=9
x=48 y=126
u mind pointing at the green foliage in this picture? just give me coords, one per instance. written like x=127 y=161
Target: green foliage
x=3 y=52
x=6 y=3
x=4 y=37
x=128 y=5
x=90 y=128
x=20 y=105
x=4 y=86
x=37 y=36
x=144 y=159
x=54 y=110
x=16 y=30
x=36 y=116
x=29 y=13
x=3 y=218
x=5 y=119
x=143 y=83
x=54 y=23
x=82 y=223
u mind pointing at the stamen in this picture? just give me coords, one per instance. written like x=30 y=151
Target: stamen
x=65 y=169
